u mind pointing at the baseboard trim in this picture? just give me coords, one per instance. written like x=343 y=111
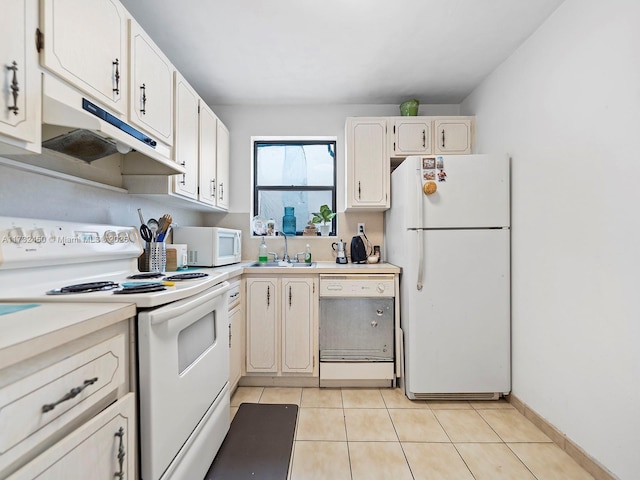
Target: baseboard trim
x=592 y=466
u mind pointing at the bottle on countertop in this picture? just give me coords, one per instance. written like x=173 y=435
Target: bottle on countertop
x=262 y=252
x=307 y=254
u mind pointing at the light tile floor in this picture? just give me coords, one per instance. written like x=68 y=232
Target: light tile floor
x=381 y=434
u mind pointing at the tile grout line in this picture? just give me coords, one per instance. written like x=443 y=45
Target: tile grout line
x=453 y=444
x=404 y=454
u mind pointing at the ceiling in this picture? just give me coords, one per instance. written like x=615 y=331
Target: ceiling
x=292 y=52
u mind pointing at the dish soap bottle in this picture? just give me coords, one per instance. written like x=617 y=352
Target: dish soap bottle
x=262 y=252
x=307 y=255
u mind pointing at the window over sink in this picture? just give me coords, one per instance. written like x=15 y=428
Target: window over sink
x=293 y=172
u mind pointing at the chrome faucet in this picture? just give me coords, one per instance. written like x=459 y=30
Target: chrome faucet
x=285 y=257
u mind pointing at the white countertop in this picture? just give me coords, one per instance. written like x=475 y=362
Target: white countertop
x=44 y=326
x=319 y=268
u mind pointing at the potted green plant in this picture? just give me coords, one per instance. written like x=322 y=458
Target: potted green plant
x=325 y=215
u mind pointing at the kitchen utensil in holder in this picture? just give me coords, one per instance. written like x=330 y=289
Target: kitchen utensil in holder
x=156 y=253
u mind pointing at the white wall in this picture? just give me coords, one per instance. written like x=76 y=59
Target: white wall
x=566 y=107
x=30 y=195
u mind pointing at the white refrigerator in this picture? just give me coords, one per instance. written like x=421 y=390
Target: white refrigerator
x=448 y=229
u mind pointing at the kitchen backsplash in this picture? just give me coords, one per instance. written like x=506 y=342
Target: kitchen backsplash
x=320 y=246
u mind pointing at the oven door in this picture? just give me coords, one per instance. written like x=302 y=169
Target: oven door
x=183 y=353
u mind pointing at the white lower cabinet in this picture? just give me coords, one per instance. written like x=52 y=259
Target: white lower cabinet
x=236 y=345
x=103 y=448
x=66 y=406
x=281 y=325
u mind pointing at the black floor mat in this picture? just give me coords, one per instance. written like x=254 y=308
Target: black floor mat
x=258 y=445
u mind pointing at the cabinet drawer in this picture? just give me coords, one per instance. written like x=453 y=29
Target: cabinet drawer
x=91 y=451
x=37 y=406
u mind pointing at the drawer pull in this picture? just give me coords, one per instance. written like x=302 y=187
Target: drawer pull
x=74 y=392
x=121 y=453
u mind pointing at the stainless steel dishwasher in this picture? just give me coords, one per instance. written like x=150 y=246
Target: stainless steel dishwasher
x=357 y=330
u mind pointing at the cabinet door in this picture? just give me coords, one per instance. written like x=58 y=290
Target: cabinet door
x=102 y=448
x=367 y=164
x=86 y=44
x=297 y=324
x=207 y=158
x=19 y=113
x=151 y=98
x=453 y=136
x=412 y=136
x=262 y=328
x=222 y=166
x=186 y=138
x=236 y=341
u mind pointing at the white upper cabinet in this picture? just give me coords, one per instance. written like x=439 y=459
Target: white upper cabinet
x=20 y=78
x=207 y=179
x=222 y=165
x=186 y=138
x=85 y=43
x=411 y=136
x=151 y=95
x=367 y=162
x=453 y=135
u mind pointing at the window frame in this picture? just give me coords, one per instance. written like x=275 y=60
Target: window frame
x=297 y=140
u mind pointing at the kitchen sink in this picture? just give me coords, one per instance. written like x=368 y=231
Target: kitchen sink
x=282 y=264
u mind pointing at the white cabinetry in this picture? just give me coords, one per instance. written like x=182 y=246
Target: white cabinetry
x=151 y=96
x=186 y=139
x=281 y=325
x=85 y=43
x=236 y=336
x=411 y=136
x=453 y=135
x=201 y=146
x=367 y=162
x=65 y=407
x=20 y=79
x=222 y=166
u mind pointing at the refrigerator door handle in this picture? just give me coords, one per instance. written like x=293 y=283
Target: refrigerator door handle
x=420 y=259
x=420 y=232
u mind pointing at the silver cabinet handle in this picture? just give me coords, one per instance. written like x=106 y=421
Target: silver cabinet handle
x=14 y=87
x=121 y=454
x=143 y=110
x=424 y=139
x=443 y=138
x=116 y=63
x=359 y=191
x=268 y=296
x=74 y=392
x=221 y=190
x=290 y=296
x=213 y=188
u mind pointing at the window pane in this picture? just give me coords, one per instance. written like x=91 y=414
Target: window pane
x=295 y=164
x=271 y=205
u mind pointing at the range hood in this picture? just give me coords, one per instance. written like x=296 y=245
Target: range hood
x=86 y=131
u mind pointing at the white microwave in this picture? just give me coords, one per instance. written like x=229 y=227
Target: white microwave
x=210 y=246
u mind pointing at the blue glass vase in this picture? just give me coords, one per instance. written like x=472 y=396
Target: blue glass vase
x=289 y=221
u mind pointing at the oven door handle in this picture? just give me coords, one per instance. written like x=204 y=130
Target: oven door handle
x=172 y=310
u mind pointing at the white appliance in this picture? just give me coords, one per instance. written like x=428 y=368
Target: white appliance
x=210 y=246
x=182 y=330
x=449 y=230
x=357 y=330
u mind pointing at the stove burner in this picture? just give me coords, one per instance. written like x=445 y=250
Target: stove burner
x=83 y=288
x=140 y=289
x=147 y=275
x=186 y=276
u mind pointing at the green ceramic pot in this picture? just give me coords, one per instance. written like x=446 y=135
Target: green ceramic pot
x=409 y=108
